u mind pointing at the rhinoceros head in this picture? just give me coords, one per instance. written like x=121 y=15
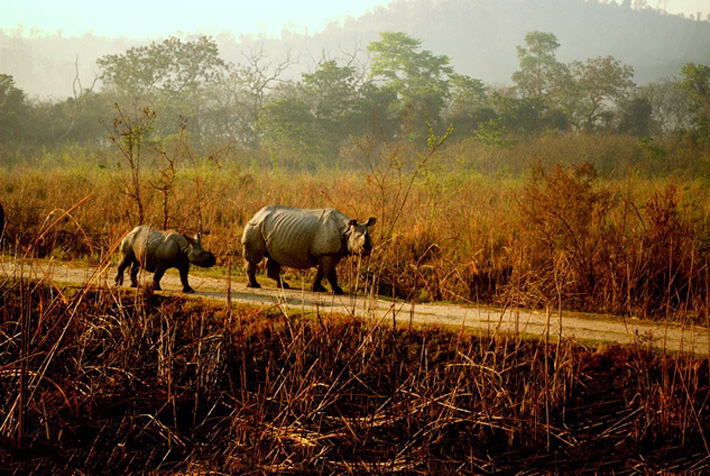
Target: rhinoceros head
x=358 y=237
x=199 y=256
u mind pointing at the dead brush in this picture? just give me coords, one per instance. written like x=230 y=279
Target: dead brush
x=124 y=382
x=586 y=246
x=565 y=221
x=668 y=272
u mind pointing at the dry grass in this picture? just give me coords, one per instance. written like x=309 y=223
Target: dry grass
x=100 y=381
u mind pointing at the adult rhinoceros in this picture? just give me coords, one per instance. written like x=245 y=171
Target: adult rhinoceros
x=157 y=251
x=303 y=239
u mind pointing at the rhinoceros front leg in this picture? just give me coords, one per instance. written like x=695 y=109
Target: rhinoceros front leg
x=329 y=263
x=183 y=278
x=273 y=270
x=251 y=274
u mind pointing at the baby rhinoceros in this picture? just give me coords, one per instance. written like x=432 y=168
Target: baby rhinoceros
x=303 y=239
x=157 y=251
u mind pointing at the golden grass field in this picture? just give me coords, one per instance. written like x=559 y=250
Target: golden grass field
x=555 y=237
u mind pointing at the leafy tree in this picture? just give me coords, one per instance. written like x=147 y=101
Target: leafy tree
x=521 y=115
x=373 y=112
x=76 y=119
x=469 y=106
x=172 y=76
x=172 y=66
x=670 y=106
x=467 y=93
x=46 y=123
x=541 y=75
x=493 y=133
x=419 y=78
x=333 y=92
x=287 y=125
x=14 y=111
x=599 y=83
x=636 y=117
x=696 y=82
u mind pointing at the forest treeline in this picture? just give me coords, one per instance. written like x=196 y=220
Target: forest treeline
x=395 y=92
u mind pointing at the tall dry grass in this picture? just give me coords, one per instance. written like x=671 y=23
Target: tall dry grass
x=102 y=381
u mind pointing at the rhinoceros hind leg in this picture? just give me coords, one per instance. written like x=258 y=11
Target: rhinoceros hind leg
x=254 y=253
x=159 y=272
x=273 y=270
x=134 y=274
x=317 y=282
x=119 y=275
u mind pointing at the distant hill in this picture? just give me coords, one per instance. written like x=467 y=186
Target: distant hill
x=480 y=36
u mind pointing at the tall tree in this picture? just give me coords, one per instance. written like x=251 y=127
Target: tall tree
x=696 y=82
x=333 y=92
x=469 y=105
x=287 y=127
x=172 y=66
x=670 y=106
x=637 y=117
x=14 y=111
x=541 y=75
x=600 y=83
x=419 y=78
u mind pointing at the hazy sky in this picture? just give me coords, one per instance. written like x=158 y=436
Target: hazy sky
x=160 y=18
x=151 y=18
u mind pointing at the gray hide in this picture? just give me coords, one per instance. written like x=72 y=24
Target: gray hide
x=157 y=251
x=303 y=239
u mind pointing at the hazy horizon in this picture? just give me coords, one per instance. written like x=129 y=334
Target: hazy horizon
x=136 y=19
x=479 y=36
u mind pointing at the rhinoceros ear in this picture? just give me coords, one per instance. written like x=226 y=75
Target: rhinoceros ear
x=197 y=238
x=371 y=221
x=352 y=223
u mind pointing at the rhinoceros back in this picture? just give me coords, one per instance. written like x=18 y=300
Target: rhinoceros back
x=150 y=245
x=295 y=238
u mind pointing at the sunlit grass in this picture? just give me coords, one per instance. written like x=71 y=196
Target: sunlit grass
x=445 y=232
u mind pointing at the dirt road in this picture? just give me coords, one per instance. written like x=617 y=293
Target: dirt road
x=584 y=328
